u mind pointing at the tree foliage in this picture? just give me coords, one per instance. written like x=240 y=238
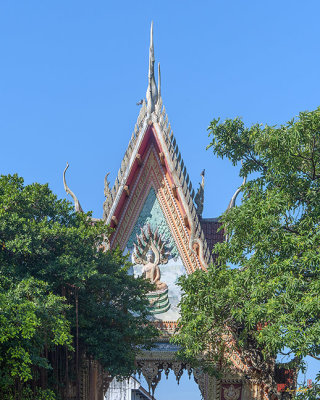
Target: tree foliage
x=310 y=392
x=61 y=295
x=263 y=295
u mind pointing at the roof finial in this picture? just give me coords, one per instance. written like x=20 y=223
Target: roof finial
x=152 y=92
x=108 y=201
x=77 y=205
x=199 y=198
x=232 y=202
x=159 y=82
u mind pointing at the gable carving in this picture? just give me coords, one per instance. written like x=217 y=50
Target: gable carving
x=152 y=175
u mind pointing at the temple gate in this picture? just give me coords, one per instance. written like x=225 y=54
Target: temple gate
x=157 y=218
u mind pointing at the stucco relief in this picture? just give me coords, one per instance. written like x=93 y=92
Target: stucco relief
x=156 y=257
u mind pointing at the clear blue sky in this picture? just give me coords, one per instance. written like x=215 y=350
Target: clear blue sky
x=71 y=73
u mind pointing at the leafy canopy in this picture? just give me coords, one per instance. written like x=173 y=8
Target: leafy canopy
x=268 y=300
x=55 y=281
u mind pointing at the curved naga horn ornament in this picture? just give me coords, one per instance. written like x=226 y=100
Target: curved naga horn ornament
x=232 y=202
x=77 y=205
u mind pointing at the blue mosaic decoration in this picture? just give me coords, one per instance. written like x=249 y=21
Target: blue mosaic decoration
x=151 y=213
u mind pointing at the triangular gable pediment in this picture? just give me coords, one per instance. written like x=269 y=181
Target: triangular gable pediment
x=152 y=175
x=153 y=160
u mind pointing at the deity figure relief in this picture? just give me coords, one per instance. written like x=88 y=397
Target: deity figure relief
x=150 y=251
x=151 y=271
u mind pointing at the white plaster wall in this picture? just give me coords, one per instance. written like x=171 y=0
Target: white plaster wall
x=121 y=390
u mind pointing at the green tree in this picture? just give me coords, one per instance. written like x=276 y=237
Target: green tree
x=62 y=296
x=308 y=393
x=30 y=318
x=263 y=294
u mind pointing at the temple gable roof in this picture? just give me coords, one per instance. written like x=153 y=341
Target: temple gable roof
x=153 y=138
